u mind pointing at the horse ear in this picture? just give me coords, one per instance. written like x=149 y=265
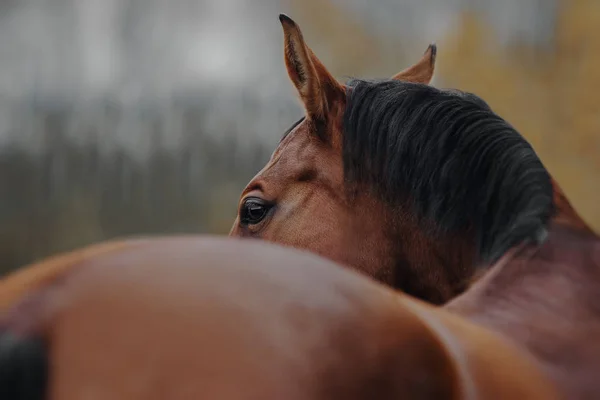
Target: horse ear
x=317 y=88
x=422 y=71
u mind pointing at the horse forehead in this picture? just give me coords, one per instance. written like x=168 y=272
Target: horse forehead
x=298 y=151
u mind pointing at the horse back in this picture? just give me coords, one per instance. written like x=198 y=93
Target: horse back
x=32 y=277
x=204 y=317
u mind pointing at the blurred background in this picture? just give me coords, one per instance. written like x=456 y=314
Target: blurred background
x=123 y=117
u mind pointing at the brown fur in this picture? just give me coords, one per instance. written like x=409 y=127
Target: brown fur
x=546 y=300
x=15 y=285
x=318 y=90
x=201 y=317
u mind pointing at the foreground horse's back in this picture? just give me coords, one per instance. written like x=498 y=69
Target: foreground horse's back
x=35 y=276
x=188 y=318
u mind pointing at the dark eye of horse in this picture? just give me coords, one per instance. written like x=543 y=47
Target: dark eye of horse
x=253 y=211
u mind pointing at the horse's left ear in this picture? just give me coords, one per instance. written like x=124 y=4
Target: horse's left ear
x=317 y=88
x=422 y=71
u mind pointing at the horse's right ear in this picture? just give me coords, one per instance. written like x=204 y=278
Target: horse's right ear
x=317 y=88
x=422 y=71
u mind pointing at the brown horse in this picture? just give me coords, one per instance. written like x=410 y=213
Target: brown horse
x=417 y=187
x=218 y=318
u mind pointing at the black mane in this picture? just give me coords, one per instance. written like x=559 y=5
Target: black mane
x=459 y=164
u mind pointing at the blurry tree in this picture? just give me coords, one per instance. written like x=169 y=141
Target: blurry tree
x=546 y=94
x=69 y=195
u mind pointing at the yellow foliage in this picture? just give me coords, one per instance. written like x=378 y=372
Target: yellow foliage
x=552 y=99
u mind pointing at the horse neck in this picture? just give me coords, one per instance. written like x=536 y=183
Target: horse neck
x=437 y=268
x=544 y=299
x=566 y=219
x=569 y=260
x=429 y=266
